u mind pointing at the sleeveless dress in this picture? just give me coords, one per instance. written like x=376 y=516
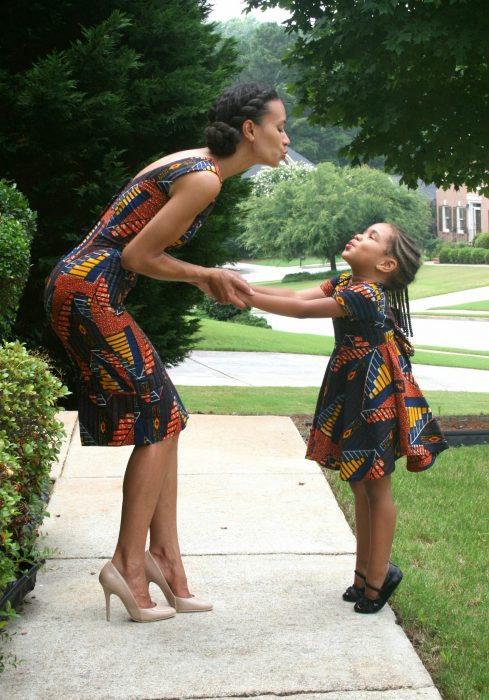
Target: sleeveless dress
x=370 y=410
x=125 y=396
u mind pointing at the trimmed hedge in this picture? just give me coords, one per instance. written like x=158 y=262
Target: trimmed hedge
x=30 y=439
x=463 y=254
x=482 y=240
x=17 y=227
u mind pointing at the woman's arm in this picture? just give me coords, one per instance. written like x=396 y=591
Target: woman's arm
x=146 y=255
x=294 y=306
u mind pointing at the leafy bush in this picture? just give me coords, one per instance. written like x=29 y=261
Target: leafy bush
x=30 y=438
x=219 y=312
x=17 y=226
x=481 y=240
x=301 y=276
x=463 y=254
x=247 y=318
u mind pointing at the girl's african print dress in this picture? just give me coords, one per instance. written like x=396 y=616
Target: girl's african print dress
x=370 y=410
x=125 y=396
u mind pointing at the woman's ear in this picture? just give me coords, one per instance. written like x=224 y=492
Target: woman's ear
x=248 y=129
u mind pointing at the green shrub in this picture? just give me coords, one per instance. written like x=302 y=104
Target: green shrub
x=246 y=318
x=301 y=276
x=220 y=312
x=30 y=438
x=17 y=226
x=463 y=254
x=481 y=240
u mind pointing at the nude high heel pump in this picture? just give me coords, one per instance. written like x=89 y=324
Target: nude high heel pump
x=113 y=583
x=181 y=605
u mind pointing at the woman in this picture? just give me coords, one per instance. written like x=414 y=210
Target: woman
x=124 y=394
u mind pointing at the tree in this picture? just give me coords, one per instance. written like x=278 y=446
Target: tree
x=318 y=213
x=412 y=76
x=104 y=88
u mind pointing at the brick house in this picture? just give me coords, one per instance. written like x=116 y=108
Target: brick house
x=461 y=215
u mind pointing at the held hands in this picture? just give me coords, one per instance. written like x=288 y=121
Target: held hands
x=226 y=287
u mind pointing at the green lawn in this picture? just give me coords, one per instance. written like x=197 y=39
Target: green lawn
x=286 y=401
x=223 y=335
x=471 y=306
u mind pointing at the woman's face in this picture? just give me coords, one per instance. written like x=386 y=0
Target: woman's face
x=270 y=140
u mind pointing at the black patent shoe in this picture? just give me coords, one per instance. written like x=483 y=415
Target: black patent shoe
x=354 y=593
x=367 y=606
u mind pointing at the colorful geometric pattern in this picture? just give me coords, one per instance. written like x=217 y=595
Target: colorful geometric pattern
x=125 y=396
x=370 y=410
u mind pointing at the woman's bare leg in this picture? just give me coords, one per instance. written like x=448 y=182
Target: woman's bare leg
x=164 y=543
x=362 y=530
x=382 y=529
x=146 y=474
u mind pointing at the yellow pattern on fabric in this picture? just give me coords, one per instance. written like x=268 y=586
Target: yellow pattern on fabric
x=120 y=345
x=86 y=266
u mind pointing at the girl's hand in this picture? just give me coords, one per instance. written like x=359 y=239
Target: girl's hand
x=226 y=287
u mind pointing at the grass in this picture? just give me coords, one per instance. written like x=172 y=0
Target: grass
x=471 y=306
x=221 y=335
x=286 y=401
x=441 y=544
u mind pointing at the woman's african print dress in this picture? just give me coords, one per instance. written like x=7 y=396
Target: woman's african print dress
x=370 y=411
x=125 y=396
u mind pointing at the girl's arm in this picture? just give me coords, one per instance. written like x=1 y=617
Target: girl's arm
x=294 y=306
x=312 y=293
x=145 y=254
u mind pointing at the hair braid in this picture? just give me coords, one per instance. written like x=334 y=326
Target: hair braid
x=231 y=109
x=408 y=258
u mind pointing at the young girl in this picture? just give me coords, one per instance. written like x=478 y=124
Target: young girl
x=370 y=411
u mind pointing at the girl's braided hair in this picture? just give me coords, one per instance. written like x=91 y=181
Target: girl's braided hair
x=234 y=106
x=403 y=248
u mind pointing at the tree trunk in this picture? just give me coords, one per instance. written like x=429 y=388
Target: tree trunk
x=332 y=262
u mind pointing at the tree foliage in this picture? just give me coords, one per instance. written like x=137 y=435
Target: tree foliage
x=89 y=94
x=319 y=212
x=413 y=76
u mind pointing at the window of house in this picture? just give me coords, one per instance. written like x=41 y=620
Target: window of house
x=446 y=218
x=461 y=219
x=478 y=218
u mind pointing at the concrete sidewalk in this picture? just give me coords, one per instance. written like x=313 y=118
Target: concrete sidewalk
x=262 y=536
x=216 y=368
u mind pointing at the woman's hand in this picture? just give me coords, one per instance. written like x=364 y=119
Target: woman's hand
x=224 y=285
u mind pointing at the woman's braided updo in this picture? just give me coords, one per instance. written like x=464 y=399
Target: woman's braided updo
x=234 y=106
x=404 y=250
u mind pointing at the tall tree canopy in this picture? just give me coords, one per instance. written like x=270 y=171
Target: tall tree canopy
x=89 y=93
x=316 y=212
x=412 y=75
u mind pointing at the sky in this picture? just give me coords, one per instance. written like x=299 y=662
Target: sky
x=230 y=9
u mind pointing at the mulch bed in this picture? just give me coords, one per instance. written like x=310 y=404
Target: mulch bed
x=449 y=424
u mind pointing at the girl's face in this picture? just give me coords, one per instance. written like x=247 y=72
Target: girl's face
x=367 y=253
x=269 y=140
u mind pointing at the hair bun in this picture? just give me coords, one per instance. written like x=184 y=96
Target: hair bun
x=221 y=138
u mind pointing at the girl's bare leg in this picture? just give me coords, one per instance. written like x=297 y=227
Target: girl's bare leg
x=164 y=544
x=149 y=469
x=382 y=528
x=362 y=530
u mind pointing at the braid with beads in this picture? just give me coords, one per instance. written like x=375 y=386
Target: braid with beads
x=235 y=105
x=408 y=258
